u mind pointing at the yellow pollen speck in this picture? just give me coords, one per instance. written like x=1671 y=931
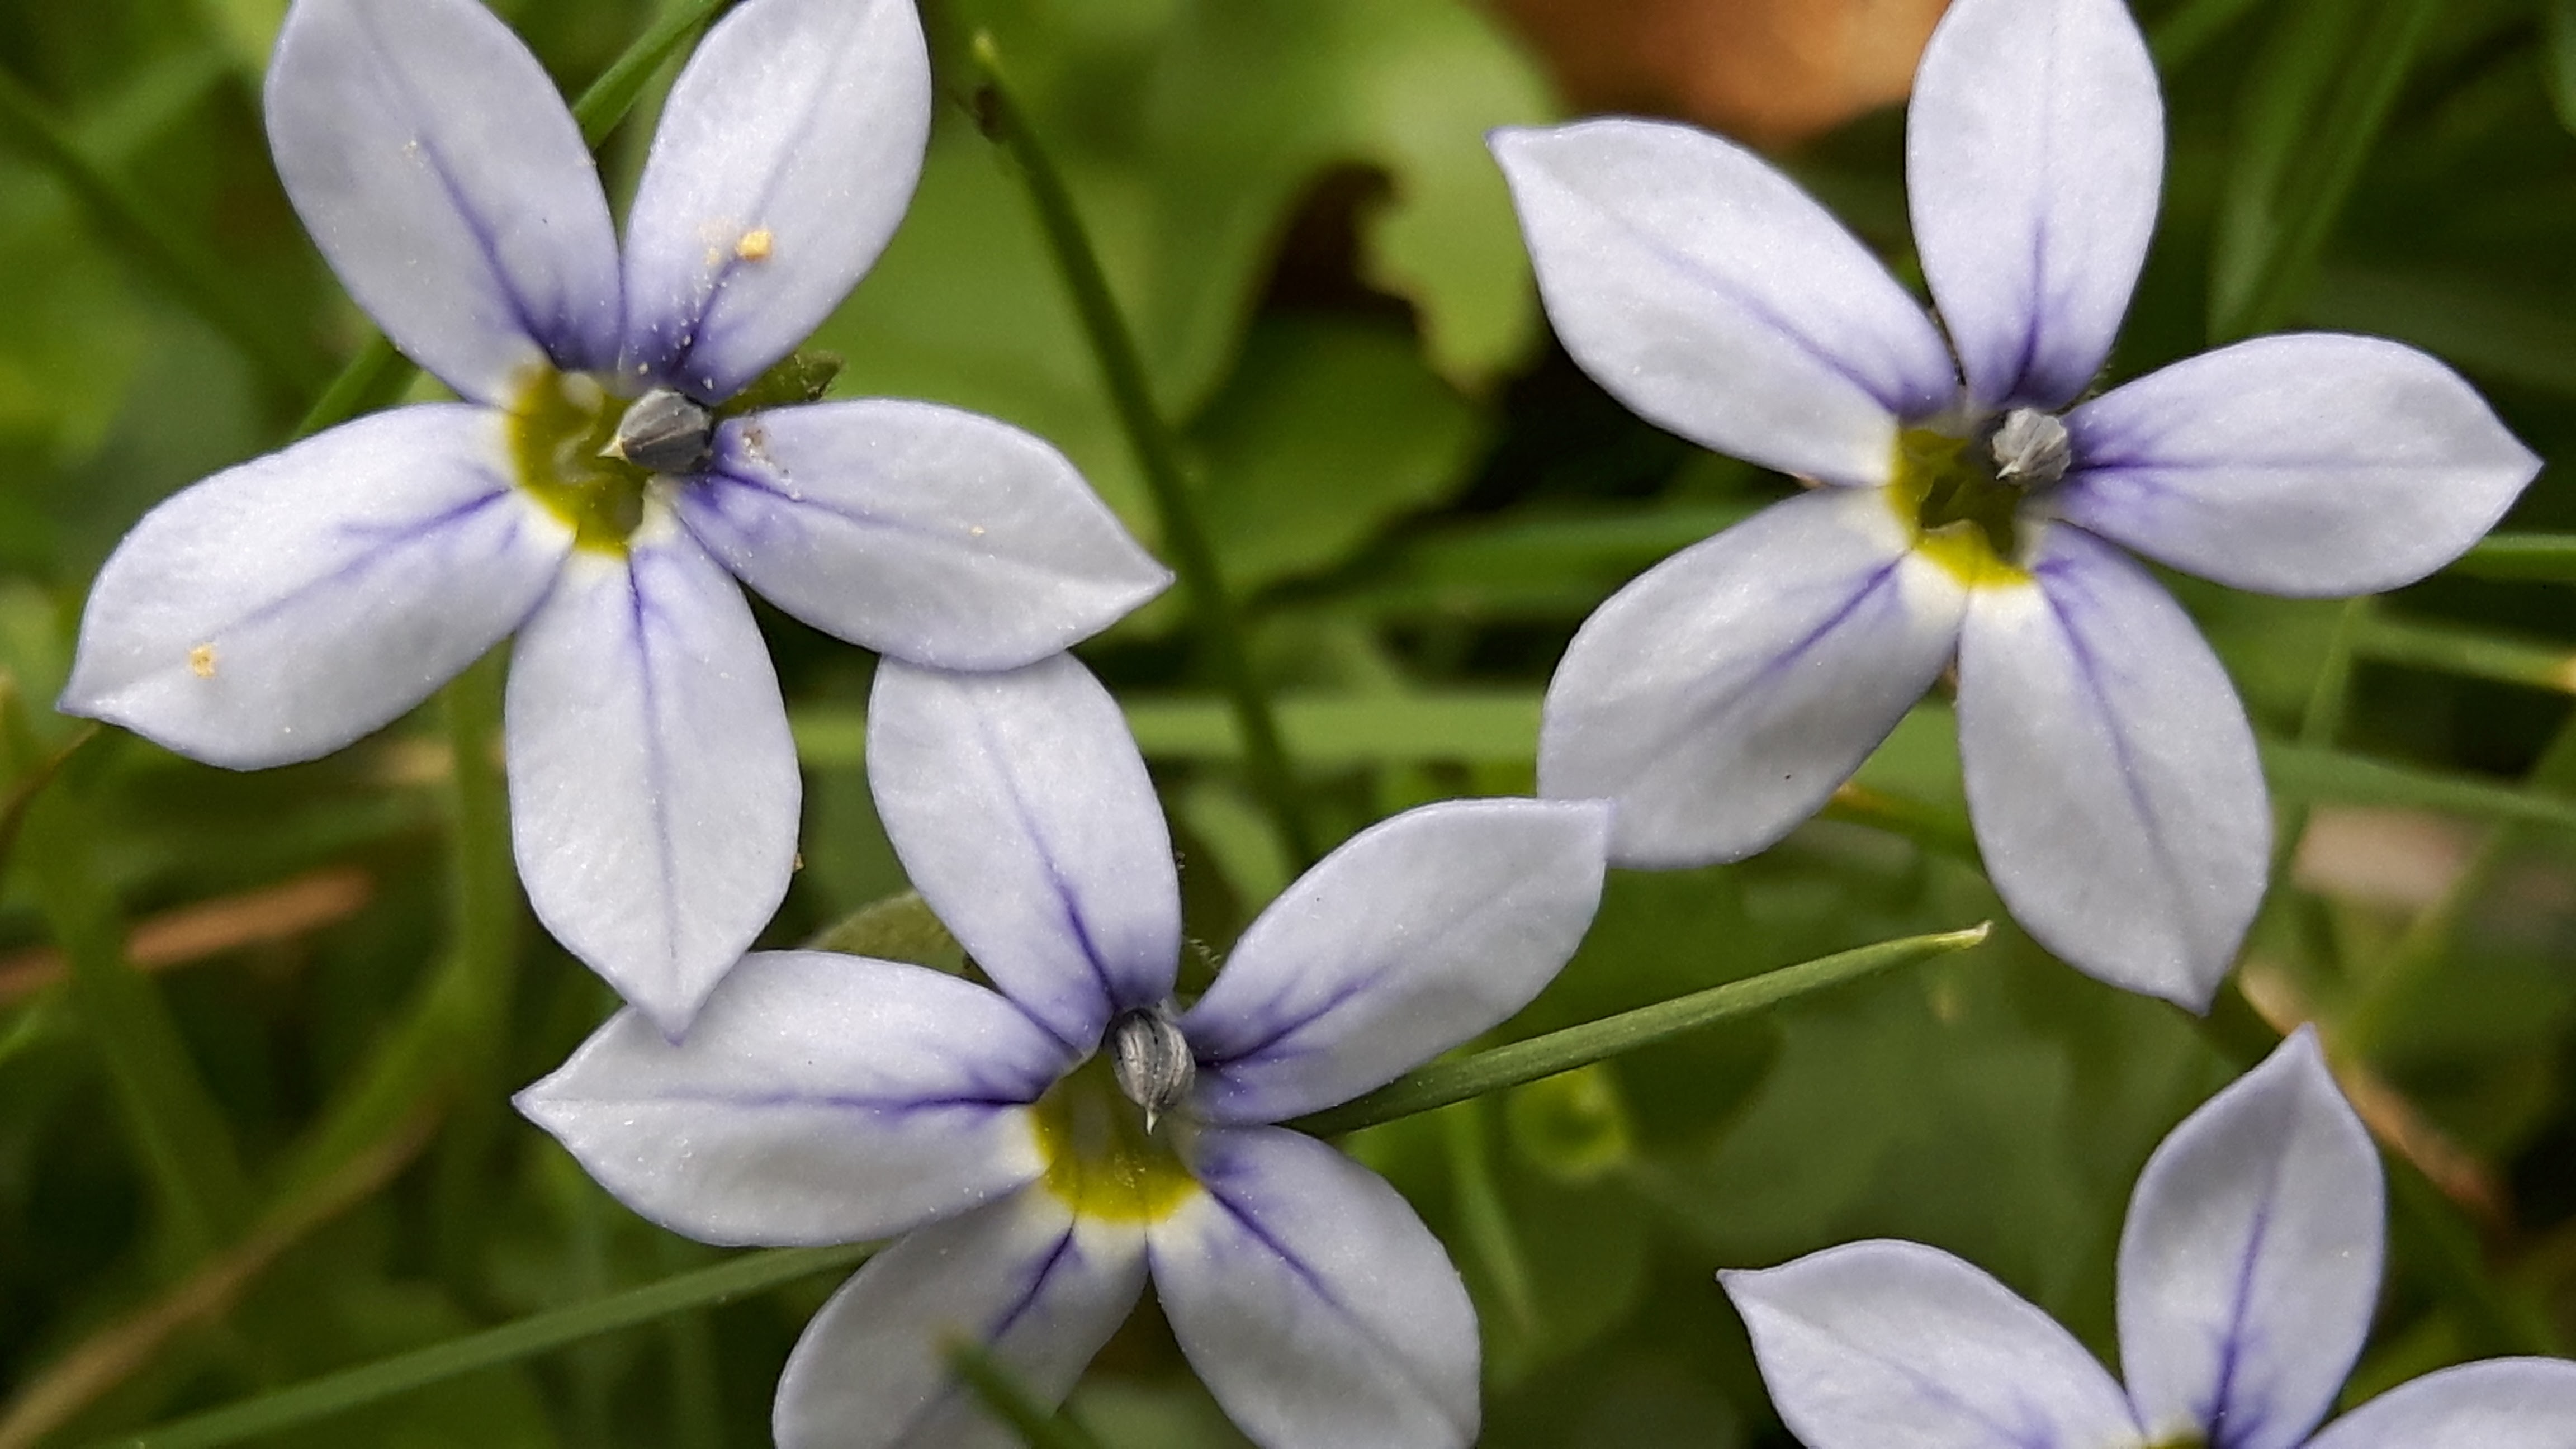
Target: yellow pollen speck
x=975 y=530
x=201 y=661
x=755 y=244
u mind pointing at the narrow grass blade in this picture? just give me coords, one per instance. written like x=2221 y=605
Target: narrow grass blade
x=1038 y=1426
x=2317 y=100
x=184 y=1143
x=2535 y=557
x=1500 y=1067
x=127 y=224
x=1157 y=449
x=318 y=1399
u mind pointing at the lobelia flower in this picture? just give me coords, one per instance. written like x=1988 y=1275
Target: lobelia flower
x=618 y=453
x=2248 y=1269
x=1046 y=1146
x=1721 y=697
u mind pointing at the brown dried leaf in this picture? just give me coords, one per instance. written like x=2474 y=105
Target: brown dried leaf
x=1772 y=72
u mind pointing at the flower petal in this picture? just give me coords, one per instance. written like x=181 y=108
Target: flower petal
x=2503 y=1403
x=444 y=180
x=2308 y=464
x=2251 y=1259
x=1705 y=290
x=1313 y=1302
x=1881 y=1343
x=283 y=608
x=1021 y=809
x=2034 y=149
x=653 y=787
x=817 y=1099
x=925 y=532
x=1720 y=698
x=1024 y=1279
x=1415 y=935
x=2111 y=774
x=786 y=156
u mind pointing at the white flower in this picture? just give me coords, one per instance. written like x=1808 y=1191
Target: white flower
x=1047 y=1146
x=606 y=472
x=2248 y=1271
x=1720 y=698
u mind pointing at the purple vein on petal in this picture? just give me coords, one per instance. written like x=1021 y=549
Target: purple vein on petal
x=1762 y=312
x=387 y=540
x=1066 y=905
x=551 y=338
x=2089 y=667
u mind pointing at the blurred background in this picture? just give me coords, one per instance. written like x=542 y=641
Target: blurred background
x=256 y=1031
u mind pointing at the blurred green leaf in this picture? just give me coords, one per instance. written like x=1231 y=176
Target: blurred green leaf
x=2500 y=327
x=2539 y=557
x=371 y=1383
x=2558 y=57
x=2312 y=110
x=1573 y=1128
x=1328 y=431
x=898 y=928
x=1334 y=731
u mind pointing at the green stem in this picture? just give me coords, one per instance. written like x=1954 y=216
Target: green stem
x=2473 y=653
x=1157 y=450
x=185 y=1145
x=1036 y=1425
x=2321 y=720
x=484 y=920
x=24 y=790
x=2538 y=557
x=1521 y=1062
x=378 y=374
x=125 y=223
x=317 y=1399
x=2409 y=967
x=372 y=379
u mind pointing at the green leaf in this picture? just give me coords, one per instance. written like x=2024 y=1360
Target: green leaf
x=1249 y=102
x=2474 y=653
x=1329 y=430
x=2537 y=557
x=2558 y=58
x=1333 y=731
x=2302 y=772
x=181 y=1135
x=2313 y=107
x=1574 y=1127
x=2502 y=328
x=320 y=1398
x=1036 y=1425
x=898 y=928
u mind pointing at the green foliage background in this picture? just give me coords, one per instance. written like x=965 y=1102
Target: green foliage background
x=1417 y=498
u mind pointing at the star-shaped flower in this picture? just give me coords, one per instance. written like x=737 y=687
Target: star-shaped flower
x=2248 y=1270
x=1047 y=1146
x=1722 y=696
x=619 y=452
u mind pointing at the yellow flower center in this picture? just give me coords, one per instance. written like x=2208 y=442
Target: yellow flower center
x=1959 y=511
x=1101 y=1162
x=559 y=422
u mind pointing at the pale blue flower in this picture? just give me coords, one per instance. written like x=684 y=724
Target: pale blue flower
x=1046 y=1146
x=283 y=608
x=1721 y=697
x=2248 y=1270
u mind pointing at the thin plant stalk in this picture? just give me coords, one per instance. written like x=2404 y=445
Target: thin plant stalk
x=1157 y=450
